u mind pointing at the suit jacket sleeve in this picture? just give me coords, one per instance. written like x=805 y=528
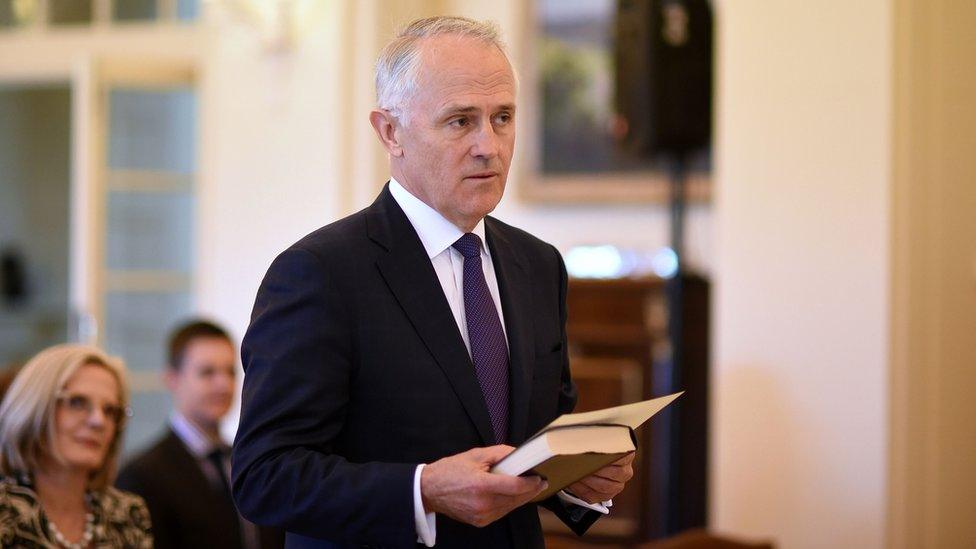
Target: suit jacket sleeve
x=298 y=361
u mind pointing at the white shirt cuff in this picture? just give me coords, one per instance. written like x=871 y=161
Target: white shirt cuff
x=603 y=508
x=426 y=522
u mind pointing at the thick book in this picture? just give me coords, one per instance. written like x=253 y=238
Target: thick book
x=574 y=446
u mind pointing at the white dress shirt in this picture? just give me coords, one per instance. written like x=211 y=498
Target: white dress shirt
x=437 y=235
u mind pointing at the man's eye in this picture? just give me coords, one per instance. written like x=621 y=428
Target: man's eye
x=459 y=122
x=503 y=118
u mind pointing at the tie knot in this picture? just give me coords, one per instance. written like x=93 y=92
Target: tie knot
x=469 y=245
x=217 y=454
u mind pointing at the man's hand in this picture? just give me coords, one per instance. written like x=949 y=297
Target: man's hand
x=605 y=483
x=461 y=487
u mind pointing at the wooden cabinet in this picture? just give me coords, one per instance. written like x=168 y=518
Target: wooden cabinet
x=620 y=353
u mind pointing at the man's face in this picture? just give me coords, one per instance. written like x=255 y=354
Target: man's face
x=459 y=138
x=203 y=386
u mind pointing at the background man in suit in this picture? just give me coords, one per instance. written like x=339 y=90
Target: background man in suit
x=417 y=331
x=184 y=476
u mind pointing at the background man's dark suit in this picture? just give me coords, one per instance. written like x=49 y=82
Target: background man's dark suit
x=186 y=511
x=355 y=372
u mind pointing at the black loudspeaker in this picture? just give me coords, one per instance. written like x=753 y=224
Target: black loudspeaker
x=679 y=482
x=689 y=465
x=663 y=58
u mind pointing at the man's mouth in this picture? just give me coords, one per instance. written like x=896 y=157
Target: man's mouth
x=482 y=175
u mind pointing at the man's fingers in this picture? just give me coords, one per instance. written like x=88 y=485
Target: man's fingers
x=513 y=502
x=501 y=494
x=585 y=493
x=490 y=455
x=506 y=485
x=626 y=460
x=606 y=483
x=602 y=486
x=619 y=473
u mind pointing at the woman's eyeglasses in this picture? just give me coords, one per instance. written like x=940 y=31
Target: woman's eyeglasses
x=82 y=405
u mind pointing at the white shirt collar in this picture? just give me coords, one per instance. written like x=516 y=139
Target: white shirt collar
x=435 y=231
x=195 y=440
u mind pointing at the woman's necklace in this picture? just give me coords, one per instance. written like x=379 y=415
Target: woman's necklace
x=85 y=538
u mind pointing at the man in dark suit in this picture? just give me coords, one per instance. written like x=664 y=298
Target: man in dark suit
x=394 y=356
x=184 y=476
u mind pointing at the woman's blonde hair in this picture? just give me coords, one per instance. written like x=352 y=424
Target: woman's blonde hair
x=27 y=411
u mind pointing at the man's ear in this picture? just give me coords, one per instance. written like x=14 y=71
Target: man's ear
x=386 y=127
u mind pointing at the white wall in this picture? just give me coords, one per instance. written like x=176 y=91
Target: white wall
x=270 y=147
x=801 y=228
x=268 y=157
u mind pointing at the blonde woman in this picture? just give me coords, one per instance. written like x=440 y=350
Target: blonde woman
x=61 y=424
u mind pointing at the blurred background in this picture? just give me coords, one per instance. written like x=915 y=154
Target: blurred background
x=769 y=204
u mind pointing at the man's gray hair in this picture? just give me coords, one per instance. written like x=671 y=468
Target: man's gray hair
x=399 y=62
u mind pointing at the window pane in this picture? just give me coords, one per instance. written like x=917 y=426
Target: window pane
x=152 y=130
x=150 y=231
x=149 y=412
x=135 y=10
x=69 y=11
x=137 y=325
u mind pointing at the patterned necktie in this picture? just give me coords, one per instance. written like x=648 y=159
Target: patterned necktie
x=489 y=350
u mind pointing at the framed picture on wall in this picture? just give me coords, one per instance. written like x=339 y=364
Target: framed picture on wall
x=602 y=127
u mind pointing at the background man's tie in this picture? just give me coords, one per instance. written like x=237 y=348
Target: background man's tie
x=216 y=458
x=489 y=350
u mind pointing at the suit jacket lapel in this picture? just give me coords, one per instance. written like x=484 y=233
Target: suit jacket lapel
x=511 y=270
x=222 y=513
x=410 y=276
x=181 y=458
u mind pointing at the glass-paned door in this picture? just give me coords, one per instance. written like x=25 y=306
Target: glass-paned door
x=148 y=251
x=35 y=188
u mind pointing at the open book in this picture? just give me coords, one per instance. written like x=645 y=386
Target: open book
x=575 y=445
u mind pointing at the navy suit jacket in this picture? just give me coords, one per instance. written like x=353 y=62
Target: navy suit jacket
x=355 y=372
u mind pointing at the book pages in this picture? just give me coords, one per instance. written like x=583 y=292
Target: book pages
x=632 y=415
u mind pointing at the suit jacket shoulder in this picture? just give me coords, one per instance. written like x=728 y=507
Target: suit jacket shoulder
x=532 y=249
x=336 y=237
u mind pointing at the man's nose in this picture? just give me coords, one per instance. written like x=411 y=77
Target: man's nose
x=486 y=141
